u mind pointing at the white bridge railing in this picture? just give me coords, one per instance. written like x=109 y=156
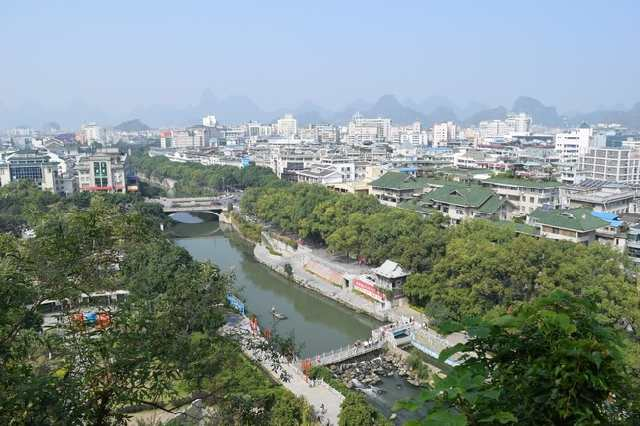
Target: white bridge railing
x=343 y=354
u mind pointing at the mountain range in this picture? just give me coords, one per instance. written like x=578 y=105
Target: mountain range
x=237 y=109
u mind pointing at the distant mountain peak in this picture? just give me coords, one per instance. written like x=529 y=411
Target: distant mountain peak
x=540 y=113
x=134 y=125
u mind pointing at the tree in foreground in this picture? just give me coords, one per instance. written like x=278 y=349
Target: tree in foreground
x=550 y=362
x=355 y=411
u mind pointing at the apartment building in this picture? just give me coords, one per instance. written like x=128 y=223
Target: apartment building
x=368 y=130
x=610 y=164
x=287 y=126
x=518 y=123
x=443 y=133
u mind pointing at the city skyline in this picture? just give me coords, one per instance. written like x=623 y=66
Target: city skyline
x=144 y=55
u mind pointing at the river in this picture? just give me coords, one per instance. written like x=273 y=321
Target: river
x=317 y=324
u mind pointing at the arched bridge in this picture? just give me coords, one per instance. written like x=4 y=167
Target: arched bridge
x=193 y=204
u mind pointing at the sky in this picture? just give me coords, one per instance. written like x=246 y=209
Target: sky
x=576 y=54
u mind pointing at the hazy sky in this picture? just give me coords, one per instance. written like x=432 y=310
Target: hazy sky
x=576 y=55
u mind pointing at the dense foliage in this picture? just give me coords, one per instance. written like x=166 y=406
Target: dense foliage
x=462 y=271
x=549 y=362
x=475 y=269
x=351 y=225
x=161 y=343
x=195 y=179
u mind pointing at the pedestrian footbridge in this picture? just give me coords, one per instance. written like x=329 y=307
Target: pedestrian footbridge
x=397 y=334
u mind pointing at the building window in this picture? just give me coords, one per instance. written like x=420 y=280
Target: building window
x=100 y=174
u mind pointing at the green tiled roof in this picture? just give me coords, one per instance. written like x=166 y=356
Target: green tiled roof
x=462 y=195
x=401 y=181
x=573 y=219
x=526 y=183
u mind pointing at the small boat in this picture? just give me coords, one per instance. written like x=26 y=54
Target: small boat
x=278 y=315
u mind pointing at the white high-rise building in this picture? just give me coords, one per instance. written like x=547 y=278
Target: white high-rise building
x=209 y=121
x=287 y=126
x=92 y=133
x=369 y=129
x=443 y=133
x=611 y=164
x=518 y=123
x=571 y=145
x=493 y=129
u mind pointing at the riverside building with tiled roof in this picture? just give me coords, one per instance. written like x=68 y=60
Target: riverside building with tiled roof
x=460 y=201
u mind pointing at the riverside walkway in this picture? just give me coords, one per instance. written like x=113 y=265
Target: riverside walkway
x=422 y=337
x=318 y=394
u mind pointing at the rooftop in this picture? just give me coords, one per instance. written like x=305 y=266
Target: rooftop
x=401 y=181
x=525 y=183
x=390 y=269
x=574 y=219
x=460 y=195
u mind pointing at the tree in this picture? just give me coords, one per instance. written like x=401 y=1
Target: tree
x=549 y=362
x=355 y=411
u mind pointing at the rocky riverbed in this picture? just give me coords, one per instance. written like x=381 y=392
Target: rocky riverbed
x=368 y=373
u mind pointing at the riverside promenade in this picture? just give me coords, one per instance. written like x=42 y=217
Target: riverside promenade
x=298 y=258
x=319 y=395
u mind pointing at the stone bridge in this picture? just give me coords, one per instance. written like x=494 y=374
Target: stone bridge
x=193 y=204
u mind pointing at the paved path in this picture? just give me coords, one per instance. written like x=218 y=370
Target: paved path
x=307 y=279
x=344 y=295
x=320 y=395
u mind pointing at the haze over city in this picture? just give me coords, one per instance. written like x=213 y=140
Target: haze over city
x=121 y=59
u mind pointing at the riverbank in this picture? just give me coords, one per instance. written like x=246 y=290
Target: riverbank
x=325 y=400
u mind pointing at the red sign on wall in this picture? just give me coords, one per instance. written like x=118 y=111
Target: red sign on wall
x=368 y=288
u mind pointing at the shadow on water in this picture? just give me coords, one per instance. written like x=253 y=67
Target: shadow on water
x=318 y=324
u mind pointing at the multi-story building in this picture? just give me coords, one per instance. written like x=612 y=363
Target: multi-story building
x=192 y=137
x=37 y=166
x=616 y=199
x=209 y=121
x=394 y=188
x=518 y=123
x=493 y=129
x=91 y=133
x=610 y=164
x=368 y=130
x=525 y=194
x=443 y=133
x=459 y=202
x=575 y=225
x=107 y=170
x=571 y=145
x=326 y=133
x=287 y=126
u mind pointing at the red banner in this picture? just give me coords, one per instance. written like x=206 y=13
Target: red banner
x=369 y=288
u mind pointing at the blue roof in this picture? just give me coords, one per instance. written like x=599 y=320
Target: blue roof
x=612 y=218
